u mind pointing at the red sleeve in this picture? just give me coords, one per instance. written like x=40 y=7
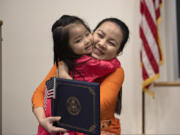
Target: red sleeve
x=96 y=66
x=93 y=69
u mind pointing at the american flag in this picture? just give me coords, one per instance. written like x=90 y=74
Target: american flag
x=49 y=90
x=151 y=54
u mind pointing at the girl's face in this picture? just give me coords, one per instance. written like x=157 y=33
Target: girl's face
x=80 y=39
x=107 y=40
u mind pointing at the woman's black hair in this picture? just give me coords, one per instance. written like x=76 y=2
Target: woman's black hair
x=119 y=102
x=60 y=33
x=123 y=27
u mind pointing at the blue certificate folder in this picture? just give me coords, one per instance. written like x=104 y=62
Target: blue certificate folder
x=78 y=103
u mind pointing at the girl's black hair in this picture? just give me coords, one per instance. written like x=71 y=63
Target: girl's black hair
x=123 y=27
x=60 y=33
x=125 y=31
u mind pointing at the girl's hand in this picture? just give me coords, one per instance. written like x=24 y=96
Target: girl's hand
x=63 y=71
x=47 y=123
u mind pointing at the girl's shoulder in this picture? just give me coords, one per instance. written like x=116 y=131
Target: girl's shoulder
x=83 y=58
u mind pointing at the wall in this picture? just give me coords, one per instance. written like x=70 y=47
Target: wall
x=27 y=57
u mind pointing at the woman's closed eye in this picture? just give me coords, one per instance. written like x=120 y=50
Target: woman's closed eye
x=100 y=35
x=112 y=43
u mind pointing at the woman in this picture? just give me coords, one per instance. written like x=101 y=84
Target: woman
x=110 y=37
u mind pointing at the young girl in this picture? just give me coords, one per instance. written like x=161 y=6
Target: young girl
x=106 y=46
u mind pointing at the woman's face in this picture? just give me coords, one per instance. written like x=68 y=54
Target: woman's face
x=80 y=39
x=107 y=40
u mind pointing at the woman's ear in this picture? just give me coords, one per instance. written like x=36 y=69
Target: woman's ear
x=120 y=53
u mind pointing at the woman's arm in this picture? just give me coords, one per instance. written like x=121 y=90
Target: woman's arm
x=47 y=123
x=38 y=95
x=109 y=90
x=38 y=110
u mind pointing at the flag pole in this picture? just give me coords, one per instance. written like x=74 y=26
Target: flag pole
x=143 y=113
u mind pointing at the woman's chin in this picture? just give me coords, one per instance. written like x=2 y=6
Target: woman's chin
x=100 y=57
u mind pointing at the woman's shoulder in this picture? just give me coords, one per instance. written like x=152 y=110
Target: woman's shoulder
x=116 y=76
x=119 y=70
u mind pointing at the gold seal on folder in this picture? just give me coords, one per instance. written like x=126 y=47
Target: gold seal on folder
x=73 y=105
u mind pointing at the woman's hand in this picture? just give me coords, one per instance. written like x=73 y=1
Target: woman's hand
x=47 y=123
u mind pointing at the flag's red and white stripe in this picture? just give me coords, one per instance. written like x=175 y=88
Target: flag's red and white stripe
x=49 y=90
x=50 y=93
x=150 y=54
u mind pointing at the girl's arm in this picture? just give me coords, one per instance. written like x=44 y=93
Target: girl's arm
x=94 y=68
x=63 y=71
